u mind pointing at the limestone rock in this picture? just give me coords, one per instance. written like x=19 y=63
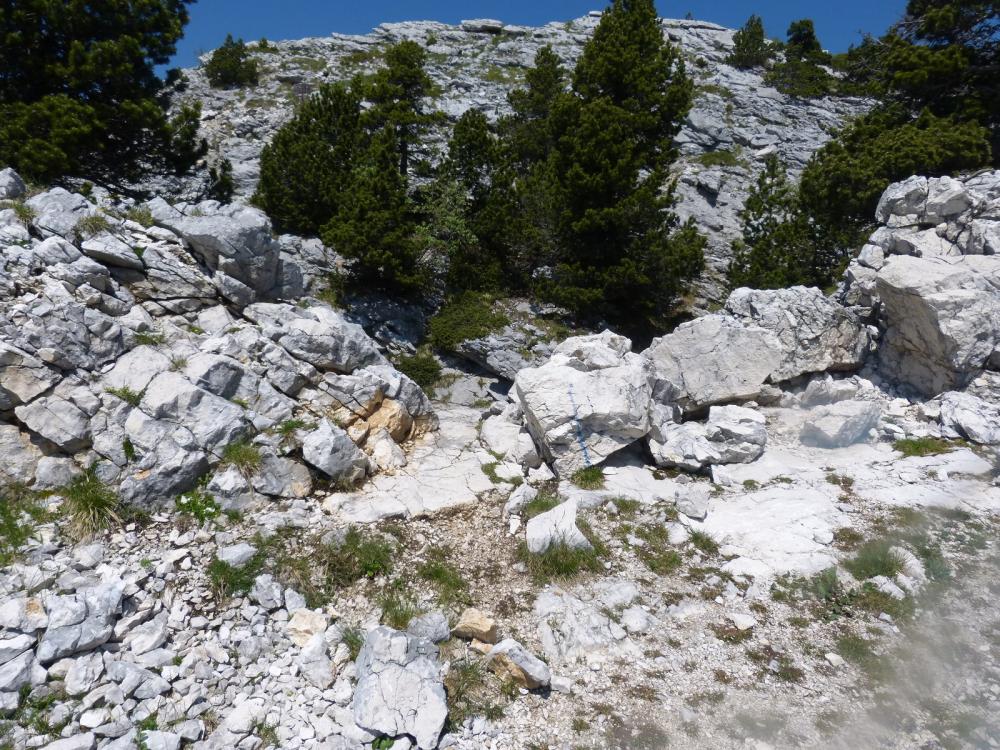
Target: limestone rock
x=475 y=624
x=816 y=333
x=556 y=526
x=840 y=424
x=399 y=689
x=332 y=451
x=589 y=400
x=511 y=660
x=967 y=416
x=713 y=360
x=12 y=186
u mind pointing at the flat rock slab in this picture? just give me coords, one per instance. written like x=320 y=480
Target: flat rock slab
x=444 y=471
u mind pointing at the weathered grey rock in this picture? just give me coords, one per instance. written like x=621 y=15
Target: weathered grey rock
x=84 y=741
x=399 y=689
x=109 y=250
x=148 y=636
x=282 y=477
x=970 y=417
x=12 y=186
x=235 y=240
x=213 y=422
x=58 y=420
x=315 y=663
x=157 y=740
x=22 y=377
x=16 y=673
x=737 y=434
x=14 y=646
x=85 y=673
x=237 y=555
x=713 y=360
x=267 y=592
x=23 y=614
x=57 y=211
x=571 y=629
x=331 y=450
x=81 y=621
x=556 y=526
x=512 y=660
x=942 y=319
x=432 y=627
x=683 y=446
x=318 y=335
x=816 y=333
x=21 y=457
x=589 y=400
x=841 y=424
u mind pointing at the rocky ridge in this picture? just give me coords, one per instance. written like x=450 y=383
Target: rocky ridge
x=737 y=524
x=735 y=123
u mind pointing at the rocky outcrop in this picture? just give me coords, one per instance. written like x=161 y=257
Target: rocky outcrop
x=400 y=691
x=931 y=276
x=474 y=67
x=152 y=351
x=589 y=400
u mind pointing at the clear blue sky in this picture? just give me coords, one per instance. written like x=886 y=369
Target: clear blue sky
x=838 y=24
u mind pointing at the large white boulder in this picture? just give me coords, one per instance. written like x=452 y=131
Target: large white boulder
x=712 y=360
x=589 y=400
x=399 y=689
x=841 y=424
x=942 y=318
x=967 y=416
x=816 y=333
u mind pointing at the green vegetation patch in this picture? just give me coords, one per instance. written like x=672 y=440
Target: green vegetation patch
x=468 y=316
x=925 y=446
x=589 y=478
x=90 y=505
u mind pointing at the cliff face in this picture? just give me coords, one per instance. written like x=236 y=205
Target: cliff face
x=474 y=66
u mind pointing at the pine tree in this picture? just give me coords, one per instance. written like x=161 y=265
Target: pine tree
x=774 y=250
x=232 y=66
x=375 y=223
x=526 y=132
x=750 y=46
x=620 y=251
x=396 y=93
x=307 y=165
x=79 y=95
x=803 y=44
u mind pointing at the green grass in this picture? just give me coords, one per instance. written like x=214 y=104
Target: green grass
x=398 y=609
x=657 y=554
x=266 y=733
x=925 y=446
x=90 y=226
x=199 y=505
x=149 y=338
x=855 y=649
x=140 y=215
x=226 y=580
x=361 y=555
x=20 y=511
x=589 y=478
x=874 y=558
x=242 y=456
x=126 y=394
x=560 y=561
x=354 y=639
x=721 y=158
x=422 y=368
x=469 y=694
x=704 y=542
x=451 y=587
x=543 y=502
x=22 y=212
x=463 y=318
x=90 y=505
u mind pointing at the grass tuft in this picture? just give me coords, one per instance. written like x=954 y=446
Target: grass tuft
x=874 y=558
x=451 y=587
x=925 y=446
x=126 y=394
x=398 y=609
x=704 y=542
x=243 y=456
x=589 y=478
x=20 y=511
x=90 y=504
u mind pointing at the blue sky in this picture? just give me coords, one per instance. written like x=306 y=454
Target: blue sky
x=838 y=24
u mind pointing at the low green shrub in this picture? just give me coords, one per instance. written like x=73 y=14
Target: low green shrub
x=243 y=456
x=589 y=478
x=465 y=317
x=126 y=394
x=232 y=66
x=874 y=558
x=422 y=368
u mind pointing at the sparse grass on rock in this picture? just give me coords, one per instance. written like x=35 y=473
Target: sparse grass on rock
x=20 y=511
x=874 y=558
x=90 y=505
x=925 y=446
x=589 y=478
x=243 y=456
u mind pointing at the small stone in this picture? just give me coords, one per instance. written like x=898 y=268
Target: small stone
x=237 y=555
x=474 y=623
x=304 y=624
x=510 y=659
x=835 y=660
x=741 y=621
